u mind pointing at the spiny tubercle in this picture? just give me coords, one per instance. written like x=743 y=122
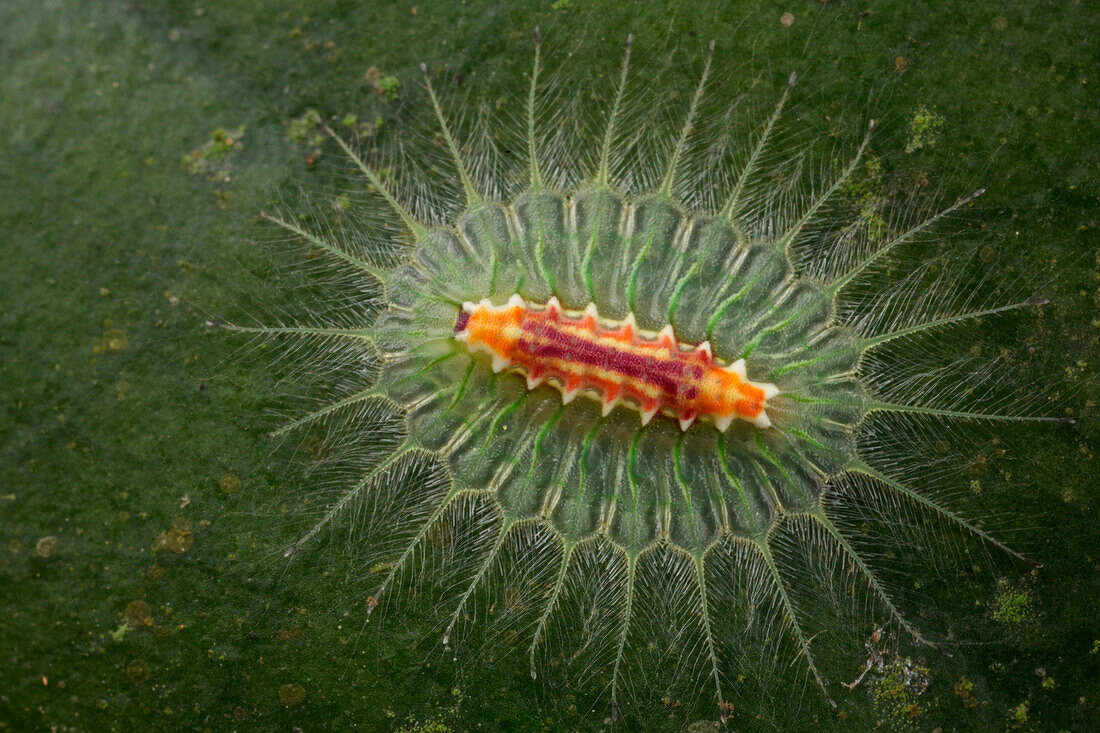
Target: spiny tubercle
x=614 y=363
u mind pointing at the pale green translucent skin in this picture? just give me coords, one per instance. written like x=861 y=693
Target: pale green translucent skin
x=589 y=476
x=602 y=527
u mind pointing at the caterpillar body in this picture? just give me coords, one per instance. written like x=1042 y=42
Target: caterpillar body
x=656 y=373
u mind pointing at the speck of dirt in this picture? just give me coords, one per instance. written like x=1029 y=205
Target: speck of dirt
x=138 y=614
x=46 y=546
x=137 y=672
x=292 y=694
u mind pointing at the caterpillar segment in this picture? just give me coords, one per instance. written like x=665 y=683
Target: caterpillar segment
x=615 y=363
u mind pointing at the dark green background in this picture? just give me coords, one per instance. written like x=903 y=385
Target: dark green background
x=102 y=230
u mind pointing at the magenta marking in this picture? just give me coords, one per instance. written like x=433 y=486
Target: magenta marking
x=665 y=374
x=463 y=319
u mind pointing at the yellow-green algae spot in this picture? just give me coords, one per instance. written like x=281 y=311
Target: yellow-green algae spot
x=1012 y=606
x=46 y=546
x=897 y=693
x=179 y=539
x=137 y=671
x=212 y=158
x=924 y=129
x=138 y=614
x=964 y=689
x=229 y=484
x=113 y=341
x=292 y=694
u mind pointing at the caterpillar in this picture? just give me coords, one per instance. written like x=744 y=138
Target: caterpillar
x=766 y=364
x=656 y=374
